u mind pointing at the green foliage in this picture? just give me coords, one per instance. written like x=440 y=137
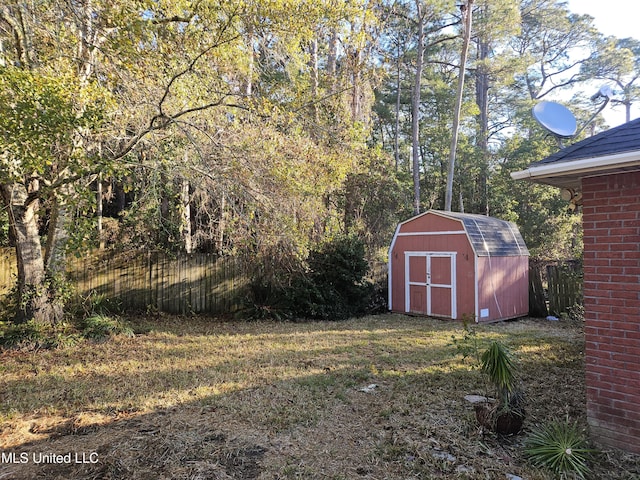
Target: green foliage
x=99 y=327
x=22 y=334
x=272 y=125
x=469 y=344
x=92 y=304
x=339 y=263
x=91 y=321
x=337 y=289
x=374 y=199
x=265 y=301
x=32 y=335
x=331 y=287
x=4 y=228
x=561 y=448
x=56 y=289
x=499 y=367
x=547 y=227
x=39 y=115
x=506 y=415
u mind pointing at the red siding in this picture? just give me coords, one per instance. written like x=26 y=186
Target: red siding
x=432 y=223
x=504 y=280
x=503 y=287
x=435 y=243
x=611 y=216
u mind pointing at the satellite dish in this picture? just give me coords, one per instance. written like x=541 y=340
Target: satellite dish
x=555 y=118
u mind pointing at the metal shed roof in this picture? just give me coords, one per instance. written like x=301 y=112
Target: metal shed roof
x=490 y=236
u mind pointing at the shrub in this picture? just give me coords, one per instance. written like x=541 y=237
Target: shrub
x=335 y=287
x=265 y=301
x=95 y=303
x=31 y=335
x=330 y=286
x=22 y=334
x=99 y=327
x=498 y=365
x=507 y=415
x=561 y=448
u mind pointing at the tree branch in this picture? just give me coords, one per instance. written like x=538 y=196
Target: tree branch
x=193 y=62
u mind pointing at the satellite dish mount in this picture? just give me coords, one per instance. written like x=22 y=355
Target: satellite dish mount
x=560 y=122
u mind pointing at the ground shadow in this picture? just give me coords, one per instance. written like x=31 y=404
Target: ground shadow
x=391 y=413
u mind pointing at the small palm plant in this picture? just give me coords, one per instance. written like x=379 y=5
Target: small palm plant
x=499 y=367
x=561 y=448
x=505 y=416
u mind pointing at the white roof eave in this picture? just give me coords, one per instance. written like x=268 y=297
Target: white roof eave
x=583 y=167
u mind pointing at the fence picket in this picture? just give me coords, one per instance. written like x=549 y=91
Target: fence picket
x=537 y=301
x=565 y=287
x=199 y=283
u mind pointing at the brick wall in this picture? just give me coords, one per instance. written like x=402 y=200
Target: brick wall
x=611 y=219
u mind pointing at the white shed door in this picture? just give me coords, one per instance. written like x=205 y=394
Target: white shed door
x=430 y=283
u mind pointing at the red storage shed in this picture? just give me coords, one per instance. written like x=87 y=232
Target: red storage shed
x=450 y=265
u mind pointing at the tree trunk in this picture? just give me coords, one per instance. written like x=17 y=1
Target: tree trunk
x=34 y=302
x=332 y=59
x=396 y=129
x=221 y=224
x=57 y=234
x=99 y=205
x=248 y=86
x=415 y=112
x=466 y=12
x=315 y=82
x=186 y=216
x=627 y=109
x=356 y=80
x=482 y=100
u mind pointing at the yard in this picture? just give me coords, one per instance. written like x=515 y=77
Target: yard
x=198 y=398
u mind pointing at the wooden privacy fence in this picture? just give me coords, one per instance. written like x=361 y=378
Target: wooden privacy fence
x=8 y=270
x=195 y=283
x=537 y=294
x=205 y=283
x=554 y=287
x=564 y=285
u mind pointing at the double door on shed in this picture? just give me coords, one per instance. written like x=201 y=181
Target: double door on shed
x=430 y=286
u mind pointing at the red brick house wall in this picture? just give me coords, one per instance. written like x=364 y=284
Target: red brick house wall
x=611 y=220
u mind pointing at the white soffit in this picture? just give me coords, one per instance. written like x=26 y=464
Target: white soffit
x=584 y=167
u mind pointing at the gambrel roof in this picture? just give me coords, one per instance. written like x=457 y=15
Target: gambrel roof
x=490 y=235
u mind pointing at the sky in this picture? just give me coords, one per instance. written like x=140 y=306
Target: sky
x=612 y=17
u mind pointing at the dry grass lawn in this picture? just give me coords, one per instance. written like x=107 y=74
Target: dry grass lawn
x=197 y=398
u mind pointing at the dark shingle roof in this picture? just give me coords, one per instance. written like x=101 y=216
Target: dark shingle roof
x=624 y=138
x=490 y=236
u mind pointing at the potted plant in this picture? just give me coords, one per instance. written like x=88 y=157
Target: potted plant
x=504 y=414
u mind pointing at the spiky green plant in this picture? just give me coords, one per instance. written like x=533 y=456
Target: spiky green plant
x=561 y=448
x=499 y=367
